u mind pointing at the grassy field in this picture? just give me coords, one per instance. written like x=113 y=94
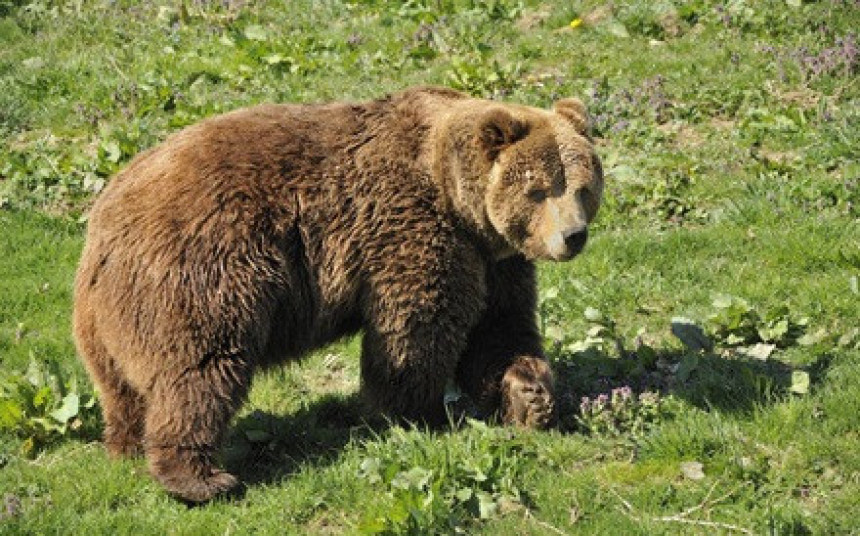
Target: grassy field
x=706 y=342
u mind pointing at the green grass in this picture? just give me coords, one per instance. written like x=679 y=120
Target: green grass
x=730 y=140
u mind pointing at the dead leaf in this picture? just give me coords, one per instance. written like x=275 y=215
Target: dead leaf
x=692 y=470
x=532 y=19
x=598 y=15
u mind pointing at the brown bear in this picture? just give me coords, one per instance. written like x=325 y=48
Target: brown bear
x=253 y=237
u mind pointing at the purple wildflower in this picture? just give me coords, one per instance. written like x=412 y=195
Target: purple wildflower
x=585 y=405
x=602 y=401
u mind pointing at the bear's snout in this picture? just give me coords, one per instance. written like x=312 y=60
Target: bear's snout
x=575 y=242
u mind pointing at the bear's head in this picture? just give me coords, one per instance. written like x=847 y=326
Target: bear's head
x=529 y=179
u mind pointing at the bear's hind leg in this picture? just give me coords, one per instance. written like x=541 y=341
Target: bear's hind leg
x=123 y=408
x=186 y=419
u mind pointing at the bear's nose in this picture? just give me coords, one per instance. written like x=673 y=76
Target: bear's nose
x=576 y=241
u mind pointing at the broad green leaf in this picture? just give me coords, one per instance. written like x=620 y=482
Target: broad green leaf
x=90 y=402
x=478 y=475
x=847 y=339
x=734 y=340
x=596 y=332
x=580 y=347
x=10 y=414
x=486 y=505
x=810 y=339
x=390 y=471
x=555 y=332
x=550 y=293
x=35 y=375
x=415 y=478
x=69 y=408
x=53 y=375
x=800 y=382
x=463 y=494
x=48 y=425
x=622 y=173
x=43 y=397
x=778 y=313
x=276 y=59
x=369 y=469
x=594 y=315
x=759 y=351
x=616 y=28
x=723 y=301
x=774 y=332
x=112 y=151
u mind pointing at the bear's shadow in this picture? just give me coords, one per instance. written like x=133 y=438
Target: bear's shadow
x=263 y=447
x=730 y=383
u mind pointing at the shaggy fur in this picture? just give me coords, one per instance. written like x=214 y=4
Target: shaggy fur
x=253 y=237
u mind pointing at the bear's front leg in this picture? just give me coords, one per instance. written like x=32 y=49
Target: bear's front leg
x=405 y=381
x=409 y=356
x=418 y=314
x=503 y=368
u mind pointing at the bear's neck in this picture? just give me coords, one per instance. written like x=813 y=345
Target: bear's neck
x=457 y=169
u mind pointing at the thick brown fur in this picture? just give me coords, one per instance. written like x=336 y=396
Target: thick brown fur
x=253 y=237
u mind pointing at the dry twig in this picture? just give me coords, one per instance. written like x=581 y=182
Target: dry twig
x=544 y=524
x=682 y=517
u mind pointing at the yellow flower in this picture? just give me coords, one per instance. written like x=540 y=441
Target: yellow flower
x=576 y=23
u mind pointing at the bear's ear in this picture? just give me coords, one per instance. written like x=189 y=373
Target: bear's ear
x=574 y=111
x=498 y=129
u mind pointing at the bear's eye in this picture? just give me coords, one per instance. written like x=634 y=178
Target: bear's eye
x=586 y=197
x=537 y=195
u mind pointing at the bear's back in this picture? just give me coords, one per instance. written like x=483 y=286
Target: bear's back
x=229 y=213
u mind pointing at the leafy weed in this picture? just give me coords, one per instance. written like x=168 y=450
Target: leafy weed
x=44 y=405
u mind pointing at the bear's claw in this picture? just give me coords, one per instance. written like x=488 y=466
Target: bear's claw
x=199 y=490
x=527 y=394
x=189 y=474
